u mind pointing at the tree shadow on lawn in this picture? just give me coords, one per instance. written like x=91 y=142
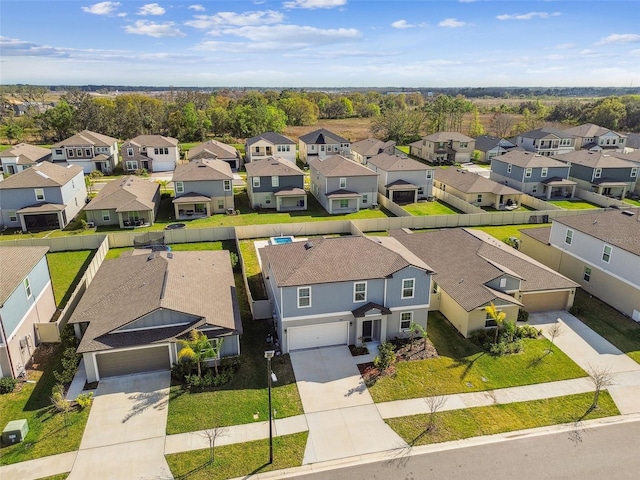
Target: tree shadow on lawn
x=76 y=280
x=537 y=361
x=467 y=363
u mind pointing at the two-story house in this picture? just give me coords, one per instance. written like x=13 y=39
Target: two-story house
x=270 y=144
x=533 y=174
x=326 y=291
x=22 y=156
x=153 y=153
x=489 y=147
x=363 y=150
x=322 y=143
x=402 y=179
x=202 y=188
x=444 y=148
x=90 y=150
x=478 y=190
x=26 y=299
x=43 y=197
x=601 y=173
x=546 y=141
x=276 y=183
x=342 y=185
x=599 y=250
x=215 y=150
x=594 y=137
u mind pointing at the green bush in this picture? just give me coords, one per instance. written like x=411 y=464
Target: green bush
x=504 y=347
x=70 y=360
x=528 y=331
x=209 y=379
x=96 y=174
x=575 y=310
x=386 y=357
x=84 y=400
x=7 y=385
x=523 y=315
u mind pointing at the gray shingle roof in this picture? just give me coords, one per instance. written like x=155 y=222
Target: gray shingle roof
x=322 y=136
x=339 y=166
x=594 y=159
x=588 y=130
x=272 y=166
x=484 y=143
x=27 y=154
x=544 y=133
x=155 y=141
x=397 y=163
x=213 y=149
x=125 y=194
x=203 y=170
x=448 y=136
x=371 y=146
x=43 y=174
x=271 y=137
x=525 y=159
x=468 y=182
x=15 y=265
x=541 y=233
x=87 y=137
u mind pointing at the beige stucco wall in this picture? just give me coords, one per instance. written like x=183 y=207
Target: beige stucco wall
x=545 y=254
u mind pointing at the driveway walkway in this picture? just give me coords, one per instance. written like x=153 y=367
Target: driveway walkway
x=342 y=418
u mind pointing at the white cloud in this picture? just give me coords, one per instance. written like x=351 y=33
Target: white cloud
x=151 y=9
x=565 y=46
x=102 y=8
x=451 y=23
x=402 y=24
x=635 y=53
x=197 y=8
x=528 y=16
x=622 y=38
x=313 y=4
x=157 y=30
x=227 y=19
x=19 y=48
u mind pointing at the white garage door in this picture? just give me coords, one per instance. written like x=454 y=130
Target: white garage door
x=126 y=362
x=159 y=166
x=324 y=335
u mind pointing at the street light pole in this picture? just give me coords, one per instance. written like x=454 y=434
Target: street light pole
x=269 y=355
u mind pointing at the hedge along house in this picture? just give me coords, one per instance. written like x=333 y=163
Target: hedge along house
x=202 y=188
x=138 y=306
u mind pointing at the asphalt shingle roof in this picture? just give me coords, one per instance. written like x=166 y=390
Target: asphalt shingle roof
x=397 y=163
x=588 y=130
x=203 y=170
x=339 y=166
x=272 y=166
x=15 y=265
x=448 y=136
x=155 y=141
x=27 y=154
x=43 y=174
x=87 y=137
x=484 y=143
x=545 y=132
x=468 y=182
x=371 y=146
x=594 y=159
x=525 y=159
x=213 y=149
x=322 y=136
x=271 y=137
x=125 y=194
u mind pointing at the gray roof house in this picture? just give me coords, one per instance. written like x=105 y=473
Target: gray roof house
x=533 y=174
x=128 y=202
x=276 y=183
x=44 y=197
x=402 y=179
x=363 y=150
x=444 y=148
x=90 y=150
x=596 y=138
x=26 y=300
x=490 y=147
x=326 y=291
x=546 y=141
x=474 y=270
x=153 y=153
x=137 y=306
x=342 y=185
x=215 y=150
x=22 y=156
x=202 y=188
x=322 y=143
x=270 y=144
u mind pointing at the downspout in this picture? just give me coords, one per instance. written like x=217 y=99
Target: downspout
x=6 y=343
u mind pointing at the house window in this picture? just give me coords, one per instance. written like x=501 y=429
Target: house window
x=489 y=321
x=568 y=237
x=503 y=283
x=344 y=203
x=464 y=144
x=13 y=217
x=429 y=174
x=87 y=152
x=179 y=187
x=39 y=194
x=565 y=142
x=220 y=204
x=587 y=274
x=131 y=165
x=130 y=152
x=360 y=292
x=304 y=297
x=256 y=182
x=79 y=152
x=226 y=185
x=343 y=182
x=70 y=153
x=322 y=148
x=27 y=287
x=406 y=318
x=634 y=172
x=106 y=216
x=267 y=199
x=606 y=253
x=479 y=198
x=527 y=173
x=156 y=151
x=509 y=168
x=597 y=173
x=58 y=151
x=275 y=181
x=408 y=287
x=534 y=189
x=365 y=198
x=544 y=172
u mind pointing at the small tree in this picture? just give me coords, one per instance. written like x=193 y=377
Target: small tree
x=60 y=402
x=196 y=348
x=435 y=404
x=496 y=315
x=554 y=331
x=386 y=357
x=163 y=185
x=212 y=434
x=601 y=377
x=417 y=329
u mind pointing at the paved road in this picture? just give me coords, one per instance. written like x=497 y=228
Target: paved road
x=606 y=452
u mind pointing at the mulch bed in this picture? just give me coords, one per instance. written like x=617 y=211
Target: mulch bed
x=404 y=353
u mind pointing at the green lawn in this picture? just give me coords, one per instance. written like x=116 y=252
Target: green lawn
x=632 y=202
x=239 y=460
x=478 y=421
x=574 y=204
x=503 y=232
x=521 y=208
x=252 y=269
x=61 y=476
x=47 y=433
x=463 y=367
x=66 y=269
x=621 y=331
x=431 y=208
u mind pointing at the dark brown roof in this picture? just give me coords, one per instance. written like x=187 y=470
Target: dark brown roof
x=339 y=166
x=154 y=141
x=271 y=137
x=397 y=163
x=203 y=170
x=593 y=159
x=541 y=233
x=525 y=159
x=41 y=175
x=213 y=149
x=468 y=182
x=448 y=136
x=15 y=265
x=321 y=137
x=272 y=166
x=126 y=194
x=87 y=137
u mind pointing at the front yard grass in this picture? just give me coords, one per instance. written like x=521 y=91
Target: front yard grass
x=240 y=459
x=431 y=208
x=503 y=232
x=635 y=203
x=66 y=269
x=463 y=367
x=618 y=329
x=574 y=204
x=477 y=421
x=47 y=432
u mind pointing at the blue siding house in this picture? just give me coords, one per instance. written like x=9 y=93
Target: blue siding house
x=276 y=183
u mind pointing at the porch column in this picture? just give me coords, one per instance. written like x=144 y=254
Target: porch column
x=624 y=192
x=415 y=196
x=61 y=220
x=22 y=224
x=176 y=210
x=120 y=222
x=207 y=208
x=573 y=191
x=549 y=189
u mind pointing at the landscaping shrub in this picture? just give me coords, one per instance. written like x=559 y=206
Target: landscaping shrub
x=7 y=385
x=84 y=400
x=528 y=331
x=209 y=379
x=69 y=361
x=504 y=347
x=96 y=174
x=575 y=310
x=523 y=315
x=181 y=370
x=483 y=337
x=387 y=356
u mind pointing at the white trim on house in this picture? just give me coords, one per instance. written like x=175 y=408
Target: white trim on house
x=409 y=307
x=311 y=317
x=138 y=347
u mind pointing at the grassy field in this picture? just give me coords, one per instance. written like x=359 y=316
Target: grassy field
x=574 y=204
x=463 y=367
x=239 y=460
x=61 y=476
x=478 y=421
x=431 y=208
x=252 y=269
x=66 y=269
x=621 y=331
x=503 y=232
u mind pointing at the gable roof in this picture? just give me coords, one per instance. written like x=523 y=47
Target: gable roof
x=41 y=175
x=125 y=194
x=371 y=146
x=203 y=170
x=322 y=136
x=448 y=136
x=339 y=166
x=468 y=182
x=182 y=282
x=272 y=166
x=154 y=141
x=545 y=132
x=15 y=264
x=526 y=159
x=588 y=130
x=328 y=260
x=27 y=154
x=466 y=260
x=271 y=137
x=593 y=159
x=87 y=137
x=397 y=163
x=615 y=227
x=484 y=143
x=633 y=140
x=213 y=149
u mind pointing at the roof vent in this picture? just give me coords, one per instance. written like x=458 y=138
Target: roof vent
x=628 y=213
x=152 y=256
x=308 y=245
x=169 y=255
x=42 y=174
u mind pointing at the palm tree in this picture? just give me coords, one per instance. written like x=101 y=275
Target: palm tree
x=197 y=348
x=496 y=315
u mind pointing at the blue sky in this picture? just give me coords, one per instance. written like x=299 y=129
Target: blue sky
x=315 y=43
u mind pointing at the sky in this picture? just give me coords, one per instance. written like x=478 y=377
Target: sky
x=321 y=43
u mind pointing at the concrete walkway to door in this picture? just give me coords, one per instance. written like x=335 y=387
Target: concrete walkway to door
x=342 y=418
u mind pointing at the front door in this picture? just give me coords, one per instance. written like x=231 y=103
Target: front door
x=367 y=330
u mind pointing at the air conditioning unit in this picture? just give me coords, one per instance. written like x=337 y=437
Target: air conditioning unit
x=15 y=431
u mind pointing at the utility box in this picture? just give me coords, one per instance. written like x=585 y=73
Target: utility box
x=15 y=431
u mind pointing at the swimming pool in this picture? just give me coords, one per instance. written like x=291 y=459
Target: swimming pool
x=281 y=239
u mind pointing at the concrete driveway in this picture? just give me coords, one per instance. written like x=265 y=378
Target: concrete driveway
x=125 y=433
x=342 y=418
